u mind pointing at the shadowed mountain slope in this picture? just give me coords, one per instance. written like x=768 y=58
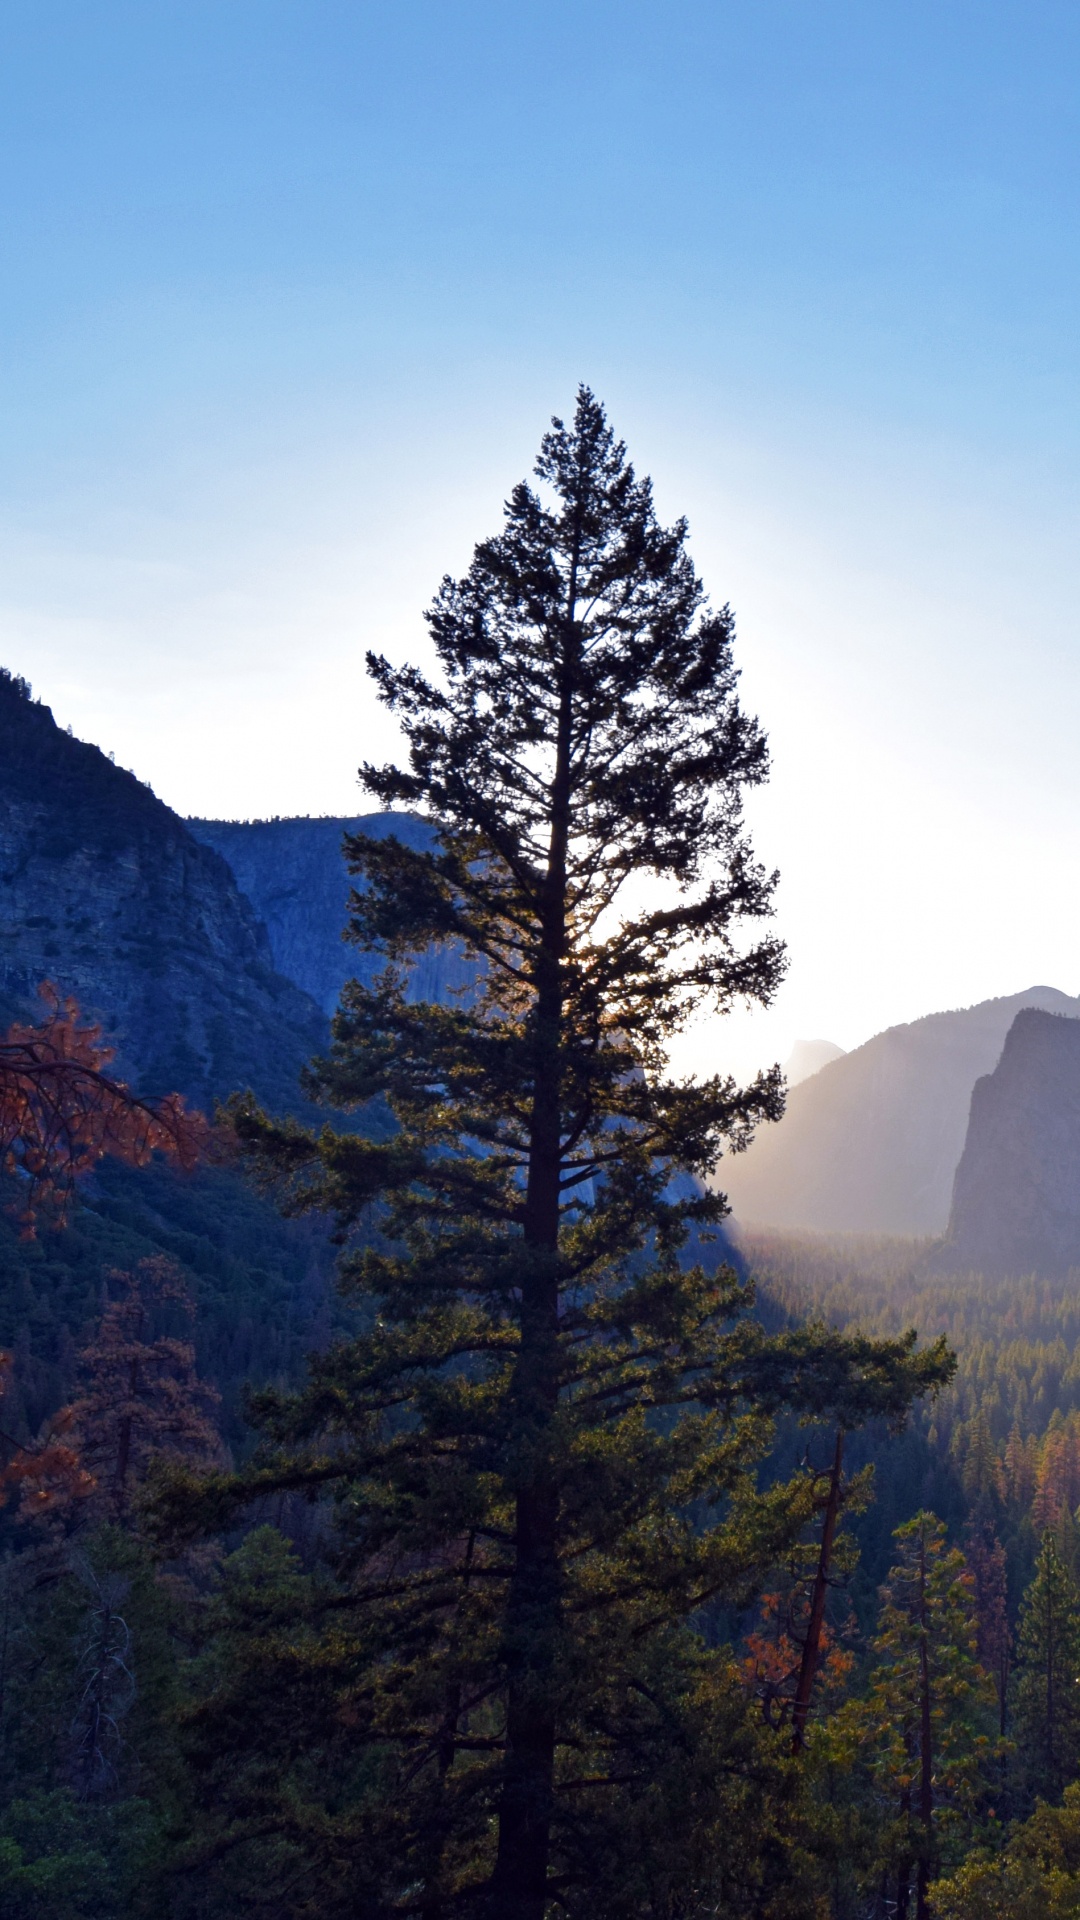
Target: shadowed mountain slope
x=871 y=1142
x=1016 y=1198
x=104 y=891
x=295 y=876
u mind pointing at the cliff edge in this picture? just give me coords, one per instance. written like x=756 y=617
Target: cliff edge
x=870 y=1143
x=104 y=891
x=1016 y=1197
x=294 y=873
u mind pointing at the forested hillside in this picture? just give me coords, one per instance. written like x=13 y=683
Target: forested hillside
x=1004 y=1436
x=106 y=894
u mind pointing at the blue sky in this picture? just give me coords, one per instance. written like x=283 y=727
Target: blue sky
x=288 y=292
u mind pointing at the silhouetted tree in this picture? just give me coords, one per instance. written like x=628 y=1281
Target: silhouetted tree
x=546 y=1443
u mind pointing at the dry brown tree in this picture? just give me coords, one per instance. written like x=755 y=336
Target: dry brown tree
x=61 y=1111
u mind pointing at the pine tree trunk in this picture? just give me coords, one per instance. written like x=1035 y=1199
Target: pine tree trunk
x=520 y=1882
x=926 y=1752
x=92 y=1758
x=123 y=1449
x=811 y=1653
x=519 y=1886
x=1051 y=1704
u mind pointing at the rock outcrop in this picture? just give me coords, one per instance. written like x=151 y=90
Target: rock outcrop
x=870 y=1143
x=295 y=876
x=1016 y=1197
x=104 y=891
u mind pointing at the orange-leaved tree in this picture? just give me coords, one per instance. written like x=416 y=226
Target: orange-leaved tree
x=61 y=1111
x=142 y=1394
x=45 y=1475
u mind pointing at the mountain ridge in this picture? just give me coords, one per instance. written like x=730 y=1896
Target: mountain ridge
x=105 y=892
x=1016 y=1193
x=292 y=870
x=870 y=1143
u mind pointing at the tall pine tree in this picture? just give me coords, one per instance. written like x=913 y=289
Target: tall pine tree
x=1046 y=1708
x=926 y=1717
x=141 y=1395
x=545 y=1446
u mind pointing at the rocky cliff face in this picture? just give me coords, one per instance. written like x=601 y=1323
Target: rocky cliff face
x=1016 y=1198
x=294 y=874
x=104 y=891
x=871 y=1142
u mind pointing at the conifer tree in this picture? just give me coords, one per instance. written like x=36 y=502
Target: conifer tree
x=46 y=1473
x=142 y=1395
x=545 y=1446
x=925 y=1717
x=987 y=1563
x=1036 y=1876
x=1046 y=1712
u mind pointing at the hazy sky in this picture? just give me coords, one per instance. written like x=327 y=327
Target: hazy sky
x=288 y=292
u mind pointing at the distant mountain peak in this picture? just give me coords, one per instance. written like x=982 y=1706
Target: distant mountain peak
x=1016 y=1196
x=871 y=1141
x=807 y=1057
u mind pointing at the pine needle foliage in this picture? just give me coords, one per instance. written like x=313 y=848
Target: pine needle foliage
x=141 y=1393
x=926 y=1719
x=1046 y=1707
x=544 y=1448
